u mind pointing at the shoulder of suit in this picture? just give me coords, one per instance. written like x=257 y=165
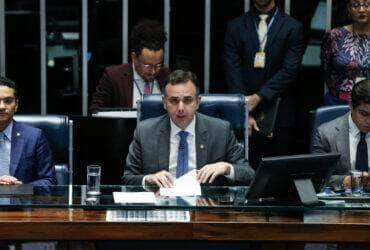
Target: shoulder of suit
x=122 y=70
x=336 y=123
x=213 y=121
x=152 y=122
x=22 y=128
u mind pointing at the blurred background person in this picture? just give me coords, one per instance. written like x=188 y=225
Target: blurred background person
x=345 y=53
x=121 y=85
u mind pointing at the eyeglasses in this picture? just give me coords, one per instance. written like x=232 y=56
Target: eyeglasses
x=187 y=100
x=357 y=5
x=149 y=67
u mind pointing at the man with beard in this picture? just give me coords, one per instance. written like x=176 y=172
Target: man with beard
x=263 y=51
x=122 y=85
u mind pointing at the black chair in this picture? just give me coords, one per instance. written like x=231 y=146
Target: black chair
x=229 y=107
x=56 y=131
x=326 y=114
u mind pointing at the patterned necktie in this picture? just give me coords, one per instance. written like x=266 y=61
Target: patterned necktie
x=147 y=88
x=183 y=154
x=4 y=156
x=361 y=154
x=262 y=31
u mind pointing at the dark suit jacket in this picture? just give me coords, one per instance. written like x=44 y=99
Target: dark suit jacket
x=150 y=149
x=284 y=50
x=31 y=159
x=115 y=88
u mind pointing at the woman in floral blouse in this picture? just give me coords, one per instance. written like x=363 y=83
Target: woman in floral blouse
x=345 y=53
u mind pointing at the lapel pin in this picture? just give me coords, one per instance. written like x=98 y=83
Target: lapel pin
x=18 y=134
x=201 y=146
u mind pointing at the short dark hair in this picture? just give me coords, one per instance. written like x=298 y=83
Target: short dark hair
x=148 y=34
x=360 y=93
x=182 y=76
x=9 y=83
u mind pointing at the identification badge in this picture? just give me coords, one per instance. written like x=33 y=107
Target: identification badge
x=259 y=59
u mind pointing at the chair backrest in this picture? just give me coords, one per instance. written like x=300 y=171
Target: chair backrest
x=326 y=114
x=56 y=131
x=229 y=107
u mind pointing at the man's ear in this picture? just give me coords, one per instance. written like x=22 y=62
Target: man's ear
x=164 y=102
x=198 y=100
x=16 y=105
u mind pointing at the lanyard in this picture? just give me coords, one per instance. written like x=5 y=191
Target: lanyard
x=268 y=28
x=140 y=92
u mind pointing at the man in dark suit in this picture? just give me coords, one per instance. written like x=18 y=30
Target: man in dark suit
x=25 y=156
x=211 y=147
x=121 y=85
x=343 y=135
x=263 y=51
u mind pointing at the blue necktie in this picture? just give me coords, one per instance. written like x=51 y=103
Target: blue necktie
x=4 y=156
x=361 y=154
x=183 y=154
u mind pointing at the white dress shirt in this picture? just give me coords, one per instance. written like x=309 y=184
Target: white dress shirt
x=174 y=147
x=354 y=139
x=138 y=87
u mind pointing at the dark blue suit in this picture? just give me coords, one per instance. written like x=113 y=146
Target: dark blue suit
x=284 y=50
x=31 y=159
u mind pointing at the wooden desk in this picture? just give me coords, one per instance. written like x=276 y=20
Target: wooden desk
x=78 y=224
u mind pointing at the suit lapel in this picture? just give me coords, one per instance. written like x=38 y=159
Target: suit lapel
x=201 y=142
x=274 y=29
x=342 y=144
x=17 y=147
x=250 y=24
x=163 y=145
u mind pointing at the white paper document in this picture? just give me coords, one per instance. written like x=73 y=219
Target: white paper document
x=186 y=185
x=134 y=197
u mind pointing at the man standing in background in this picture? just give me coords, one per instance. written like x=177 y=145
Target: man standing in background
x=263 y=51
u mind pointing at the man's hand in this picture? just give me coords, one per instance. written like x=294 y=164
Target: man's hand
x=209 y=172
x=161 y=179
x=253 y=101
x=252 y=125
x=9 y=180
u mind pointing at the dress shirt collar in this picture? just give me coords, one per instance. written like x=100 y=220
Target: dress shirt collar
x=353 y=129
x=8 y=131
x=190 y=128
x=256 y=13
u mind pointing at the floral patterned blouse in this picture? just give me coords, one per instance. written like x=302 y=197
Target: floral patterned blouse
x=345 y=56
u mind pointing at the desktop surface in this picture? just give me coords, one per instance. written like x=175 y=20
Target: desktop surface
x=212 y=198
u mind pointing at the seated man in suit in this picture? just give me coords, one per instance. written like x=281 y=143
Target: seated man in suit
x=121 y=85
x=348 y=135
x=25 y=156
x=182 y=140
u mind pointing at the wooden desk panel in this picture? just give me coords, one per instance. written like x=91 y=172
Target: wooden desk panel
x=78 y=224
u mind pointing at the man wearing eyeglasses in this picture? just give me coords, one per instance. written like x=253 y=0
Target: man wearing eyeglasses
x=171 y=145
x=122 y=85
x=25 y=156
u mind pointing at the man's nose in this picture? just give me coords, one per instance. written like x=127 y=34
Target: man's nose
x=181 y=106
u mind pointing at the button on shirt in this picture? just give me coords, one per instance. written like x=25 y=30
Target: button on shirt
x=354 y=138
x=138 y=87
x=8 y=142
